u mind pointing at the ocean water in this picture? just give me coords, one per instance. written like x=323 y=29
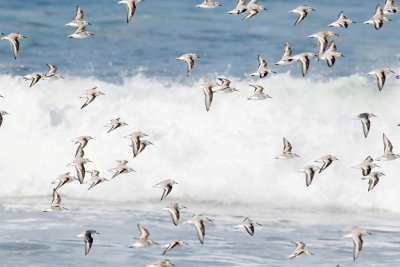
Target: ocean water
x=223 y=160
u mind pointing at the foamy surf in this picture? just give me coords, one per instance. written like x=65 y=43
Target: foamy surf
x=225 y=155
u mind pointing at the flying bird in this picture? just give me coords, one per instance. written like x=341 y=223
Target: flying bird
x=302 y=11
x=240 y=7
x=189 y=59
x=209 y=4
x=63 y=179
x=87 y=237
x=114 y=124
x=258 y=93
x=82 y=141
x=300 y=251
x=262 y=70
x=79 y=164
x=166 y=185
x=253 y=8
x=330 y=54
x=174 y=244
x=13 y=38
x=55 y=203
x=388 y=150
x=377 y=19
x=143 y=240
x=286 y=56
x=121 y=168
x=90 y=95
x=357 y=241
x=78 y=19
x=327 y=161
x=310 y=172
x=322 y=38
x=130 y=8
x=208 y=92
x=341 y=21
x=373 y=179
x=304 y=59
x=287 y=151
x=365 y=121
x=380 y=75
x=366 y=166
x=248 y=225
x=198 y=222
x=173 y=210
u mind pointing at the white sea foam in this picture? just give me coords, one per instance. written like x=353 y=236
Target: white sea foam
x=225 y=155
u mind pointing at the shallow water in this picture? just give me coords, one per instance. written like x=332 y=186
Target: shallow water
x=30 y=237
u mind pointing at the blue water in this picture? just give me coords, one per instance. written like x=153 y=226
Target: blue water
x=223 y=160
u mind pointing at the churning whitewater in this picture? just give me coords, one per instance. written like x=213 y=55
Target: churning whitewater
x=224 y=156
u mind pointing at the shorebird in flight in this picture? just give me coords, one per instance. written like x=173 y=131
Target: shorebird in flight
x=78 y=19
x=248 y=225
x=189 y=59
x=166 y=185
x=208 y=92
x=366 y=166
x=380 y=75
x=173 y=210
x=388 y=150
x=286 y=56
x=121 y=168
x=114 y=124
x=322 y=38
x=174 y=244
x=90 y=95
x=357 y=241
x=287 y=151
x=87 y=237
x=198 y=222
x=310 y=172
x=13 y=39
x=258 y=93
x=365 y=121
x=300 y=251
x=143 y=240
x=302 y=11
x=341 y=21
x=55 y=203
x=262 y=70
x=330 y=54
x=373 y=179
x=63 y=179
x=209 y=4
x=327 y=161
x=130 y=8
x=377 y=19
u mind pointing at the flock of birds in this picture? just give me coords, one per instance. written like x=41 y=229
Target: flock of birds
x=139 y=143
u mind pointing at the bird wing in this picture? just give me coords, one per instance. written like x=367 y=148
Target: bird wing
x=199 y=226
x=131 y=8
x=380 y=78
x=79 y=13
x=326 y=164
x=52 y=69
x=252 y=13
x=301 y=16
x=35 y=79
x=358 y=242
x=174 y=215
x=171 y=246
x=305 y=63
x=366 y=124
x=287 y=51
x=90 y=98
x=309 y=176
x=167 y=190
x=144 y=234
x=208 y=96
x=341 y=15
x=287 y=147
x=249 y=228
x=56 y=199
x=80 y=171
x=388 y=147
x=88 y=242
x=261 y=62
